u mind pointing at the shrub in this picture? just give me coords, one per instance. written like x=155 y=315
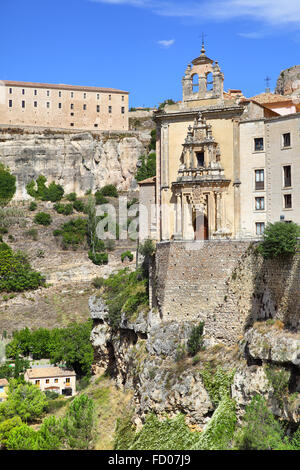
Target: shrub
x=98 y=282
x=219 y=432
x=98 y=258
x=79 y=206
x=32 y=233
x=65 y=209
x=57 y=232
x=39 y=190
x=109 y=190
x=100 y=199
x=195 y=342
x=167 y=434
x=147 y=167
x=128 y=255
x=32 y=206
x=217 y=382
x=73 y=232
x=16 y=274
x=132 y=202
x=124 y=292
x=148 y=248
x=42 y=218
x=72 y=197
x=279 y=239
x=260 y=430
x=279 y=379
x=110 y=244
x=7 y=185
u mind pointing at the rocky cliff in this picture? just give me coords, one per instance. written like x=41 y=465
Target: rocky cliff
x=79 y=162
x=288 y=82
x=149 y=355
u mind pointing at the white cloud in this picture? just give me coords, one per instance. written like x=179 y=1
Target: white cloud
x=252 y=35
x=272 y=12
x=166 y=42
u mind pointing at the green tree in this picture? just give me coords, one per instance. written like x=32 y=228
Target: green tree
x=195 y=341
x=79 y=423
x=42 y=218
x=260 y=430
x=39 y=190
x=51 y=435
x=7 y=185
x=164 y=103
x=24 y=400
x=22 y=437
x=6 y=427
x=279 y=239
x=72 y=346
x=16 y=274
x=147 y=168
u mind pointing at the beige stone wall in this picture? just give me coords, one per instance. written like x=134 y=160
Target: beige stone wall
x=226 y=285
x=56 y=110
x=251 y=160
x=147 y=212
x=277 y=158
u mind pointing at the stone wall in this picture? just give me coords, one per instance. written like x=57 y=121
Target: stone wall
x=226 y=284
x=78 y=161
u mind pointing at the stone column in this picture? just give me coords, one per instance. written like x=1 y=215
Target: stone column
x=178 y=222
x=218 y=199
x=187 y=229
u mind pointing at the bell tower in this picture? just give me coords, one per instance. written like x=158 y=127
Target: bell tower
x=203 y=79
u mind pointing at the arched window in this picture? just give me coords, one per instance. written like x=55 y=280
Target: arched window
x=209 y=82
x=195 y=83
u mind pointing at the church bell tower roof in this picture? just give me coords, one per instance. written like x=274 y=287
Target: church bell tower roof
x=202 y=59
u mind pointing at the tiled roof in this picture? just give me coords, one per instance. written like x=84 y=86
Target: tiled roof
x=43 y=372
x=62 y=87
x=266 y=98
x=3 y=382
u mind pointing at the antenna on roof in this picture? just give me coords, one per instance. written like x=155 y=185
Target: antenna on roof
x=268 y=80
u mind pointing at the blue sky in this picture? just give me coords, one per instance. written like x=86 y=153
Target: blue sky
x=144 y=46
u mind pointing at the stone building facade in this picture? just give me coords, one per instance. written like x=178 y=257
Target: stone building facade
x=63 y=106
x=270 y=172
x=221 y=158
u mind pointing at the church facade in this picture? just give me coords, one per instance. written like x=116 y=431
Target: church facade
x=210 y=147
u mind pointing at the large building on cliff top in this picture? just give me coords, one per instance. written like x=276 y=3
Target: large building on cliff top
x=63 y=106
x=226 y=165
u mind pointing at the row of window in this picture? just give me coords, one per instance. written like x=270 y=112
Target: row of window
x=48 y=105
x=285 y=142
x=260 y=202
x=47 y=381
x=35 y=92
x=260 y=178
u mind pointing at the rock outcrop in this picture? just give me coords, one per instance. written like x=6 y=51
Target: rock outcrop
x=79 y=162
x=288 y=82
x=148 y=356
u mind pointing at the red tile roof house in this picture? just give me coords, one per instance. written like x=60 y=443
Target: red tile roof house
x=54 y=379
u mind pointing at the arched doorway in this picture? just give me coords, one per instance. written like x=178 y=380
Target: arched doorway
x=200 y=225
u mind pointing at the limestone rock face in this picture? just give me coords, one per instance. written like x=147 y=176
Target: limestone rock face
x=289 y=81
x=148 y=355
x=279 y=347
x=78 y=162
